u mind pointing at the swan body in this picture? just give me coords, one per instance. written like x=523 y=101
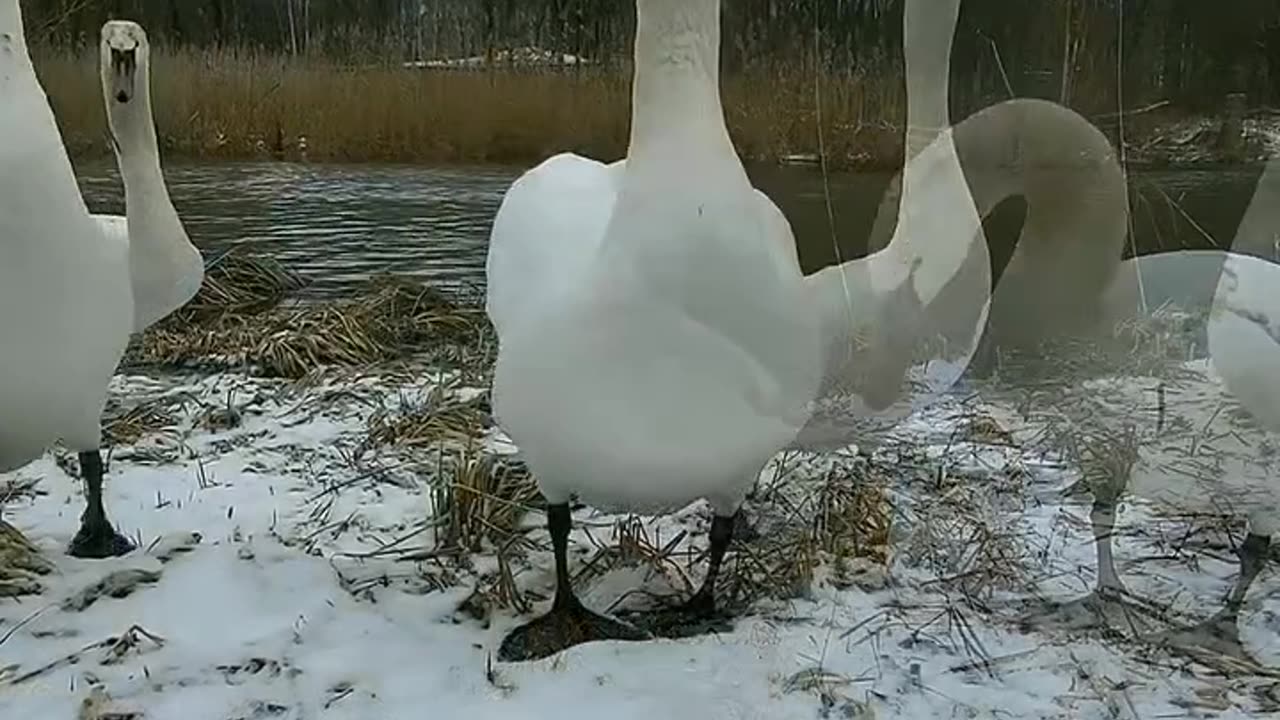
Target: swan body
x=1201 y=454
x=655 y=305
x=66 y=306
x=656 y=345
x=166 y=270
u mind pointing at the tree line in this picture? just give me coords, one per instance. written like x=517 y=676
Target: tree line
x=1091 y=52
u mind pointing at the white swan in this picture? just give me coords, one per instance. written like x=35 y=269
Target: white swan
x=66 y=307
x=654 y=343
x=657 y=341
x=166 y=269
x=1066 y=280
x=1231 y=471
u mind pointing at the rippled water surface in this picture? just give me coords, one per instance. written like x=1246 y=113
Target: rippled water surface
x=337 y=224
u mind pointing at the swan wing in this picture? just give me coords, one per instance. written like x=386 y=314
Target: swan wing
x=64 y=294
x=1244 y=327
x=115 y=228
x=546 y=231
x=163 y=279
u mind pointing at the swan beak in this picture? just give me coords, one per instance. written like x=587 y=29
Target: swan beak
x=124 y=64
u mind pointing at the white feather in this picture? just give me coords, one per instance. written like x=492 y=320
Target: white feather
x=166 y=270
x=654 y=343
x=65 y=301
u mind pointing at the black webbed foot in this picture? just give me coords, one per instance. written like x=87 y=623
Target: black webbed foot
x=563 y=627
x=700 y=615
x=99 y=540
x=697 y=616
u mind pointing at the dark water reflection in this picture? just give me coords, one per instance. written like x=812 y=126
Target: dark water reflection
x=337 y=224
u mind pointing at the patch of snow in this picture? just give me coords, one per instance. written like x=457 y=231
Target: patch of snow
x=512 y=57
x=275 y=615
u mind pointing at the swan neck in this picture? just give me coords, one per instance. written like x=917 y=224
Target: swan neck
x=139 y=162
x=133 y=129
x=928 y=31
x=152 y=217
x=676 y=89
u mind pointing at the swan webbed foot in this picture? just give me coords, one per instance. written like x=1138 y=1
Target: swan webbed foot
x=698 y=615
x=1105 y=608
x=1219 y=634
x=565 y=626
x=98 y=540
x=568 y=623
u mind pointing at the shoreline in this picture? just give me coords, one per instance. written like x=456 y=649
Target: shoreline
x=1140 y=164
x=1160 y=154
x=234 y=105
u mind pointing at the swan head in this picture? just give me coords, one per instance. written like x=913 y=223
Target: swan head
x=125 y=56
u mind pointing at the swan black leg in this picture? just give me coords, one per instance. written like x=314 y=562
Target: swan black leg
x=568 y=623
x=703 y=602
x=96 y=538
x=698 y=615
x=1221 y=633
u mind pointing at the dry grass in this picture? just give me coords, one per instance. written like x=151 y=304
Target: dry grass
x=1155 y=345
x=440 y=417
x=241 y=282
x=839 y=521
x=242 y=104
x=126 y=426
x=21 y=565
x=480 y=499
x=240 y=319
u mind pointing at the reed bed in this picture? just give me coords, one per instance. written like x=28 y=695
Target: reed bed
x=242 y=317
x=233 y=103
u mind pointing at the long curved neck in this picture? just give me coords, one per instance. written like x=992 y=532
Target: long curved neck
x=676 y=107
x=928 y=29
x=163 y=264
x=152 y=217
x=935 y=211
x=133 y=128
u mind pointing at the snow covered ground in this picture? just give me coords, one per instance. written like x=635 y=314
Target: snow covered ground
x=250 y=598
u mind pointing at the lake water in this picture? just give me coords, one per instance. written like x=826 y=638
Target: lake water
x=337 y=224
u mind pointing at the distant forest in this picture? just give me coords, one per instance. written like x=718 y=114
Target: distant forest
x=1187 y=52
